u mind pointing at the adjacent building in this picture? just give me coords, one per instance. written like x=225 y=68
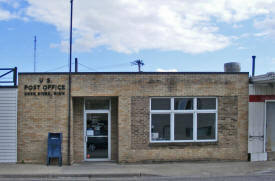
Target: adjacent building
x=261 y=141
x=8 y=115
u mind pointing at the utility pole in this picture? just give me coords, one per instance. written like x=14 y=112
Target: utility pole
x=139 y=63
x=34 y=55
x=69 y=91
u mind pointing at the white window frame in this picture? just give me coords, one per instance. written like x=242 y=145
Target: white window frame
x=172 y=113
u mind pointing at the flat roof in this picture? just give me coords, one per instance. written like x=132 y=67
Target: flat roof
x=145 y=73
x=263 y=79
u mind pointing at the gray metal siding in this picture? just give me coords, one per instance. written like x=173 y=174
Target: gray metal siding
x=257 y=124
x=261 y=89
x=8 y=124
x=270 y=121
x=256 y=127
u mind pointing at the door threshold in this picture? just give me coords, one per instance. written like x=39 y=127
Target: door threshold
x=97 y=160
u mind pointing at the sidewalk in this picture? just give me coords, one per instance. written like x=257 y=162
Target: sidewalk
x=109 y=169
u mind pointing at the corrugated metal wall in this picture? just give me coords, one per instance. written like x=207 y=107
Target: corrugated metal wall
x=264 y=89
x=256 y=128
x=8 y=124
x=256 y=121
x=270 y=126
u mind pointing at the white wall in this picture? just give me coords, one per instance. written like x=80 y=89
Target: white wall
x=256 y=127
x=261 y=89
x=257 y=124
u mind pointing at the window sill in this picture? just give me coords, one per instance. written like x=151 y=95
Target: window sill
x=180 y=145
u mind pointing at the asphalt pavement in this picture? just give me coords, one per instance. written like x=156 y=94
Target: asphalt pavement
x=264 y=177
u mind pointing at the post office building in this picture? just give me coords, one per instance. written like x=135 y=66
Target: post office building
x=134 y=116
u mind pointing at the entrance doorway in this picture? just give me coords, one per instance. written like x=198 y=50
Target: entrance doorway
x=97 y=135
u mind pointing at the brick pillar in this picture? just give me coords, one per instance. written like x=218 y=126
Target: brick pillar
x=124 y=128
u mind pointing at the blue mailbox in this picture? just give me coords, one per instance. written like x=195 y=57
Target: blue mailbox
x=54 y=147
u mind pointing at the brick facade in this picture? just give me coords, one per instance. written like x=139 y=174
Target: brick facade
x=130 y=93
x=78 y=132
x=227 y=131
x=140 y=116
x=38 y=115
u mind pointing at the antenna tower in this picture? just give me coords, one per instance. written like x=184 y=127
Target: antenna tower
x=34 y=55
x=139 y=63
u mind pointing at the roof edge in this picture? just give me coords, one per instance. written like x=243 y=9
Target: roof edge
x=80 y=73
x=265 y=78
x=8 y=86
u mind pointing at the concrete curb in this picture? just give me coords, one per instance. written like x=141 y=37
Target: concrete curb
x=117 y=175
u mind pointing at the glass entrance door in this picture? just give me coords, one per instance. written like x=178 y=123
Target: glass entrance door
x=97 y=136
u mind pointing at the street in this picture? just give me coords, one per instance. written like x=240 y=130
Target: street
x=259 y=177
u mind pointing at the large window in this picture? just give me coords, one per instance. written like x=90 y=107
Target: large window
x=183 y=119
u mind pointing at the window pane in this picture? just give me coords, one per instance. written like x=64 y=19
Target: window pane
x=160 y=128
x=96 y=104
x=206 y=103
x=183 y=104
x=183 y=126
x=160 y=104
x=206 y=126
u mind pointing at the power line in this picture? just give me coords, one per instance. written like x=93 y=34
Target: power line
x=63 y=66
x=90 y=68
x=114 y=65
x=50 y=70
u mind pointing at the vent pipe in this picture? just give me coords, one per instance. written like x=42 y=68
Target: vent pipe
x=253 y=65
x=76 y=65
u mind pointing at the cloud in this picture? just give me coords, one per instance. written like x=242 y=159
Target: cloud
x=268 y=27
x=15 y=4
x=10 y=29
x=6 y=14
x=242 y=48
x=237 y=26
x=63 y=45
x=166 y=70
x=271 y=66
x=129 y=26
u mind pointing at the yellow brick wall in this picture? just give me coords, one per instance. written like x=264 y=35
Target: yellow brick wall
x=39 y=115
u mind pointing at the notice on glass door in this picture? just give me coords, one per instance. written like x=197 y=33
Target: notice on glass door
x=90 y=132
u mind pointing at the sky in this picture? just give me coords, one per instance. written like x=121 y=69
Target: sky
x=174 y=35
